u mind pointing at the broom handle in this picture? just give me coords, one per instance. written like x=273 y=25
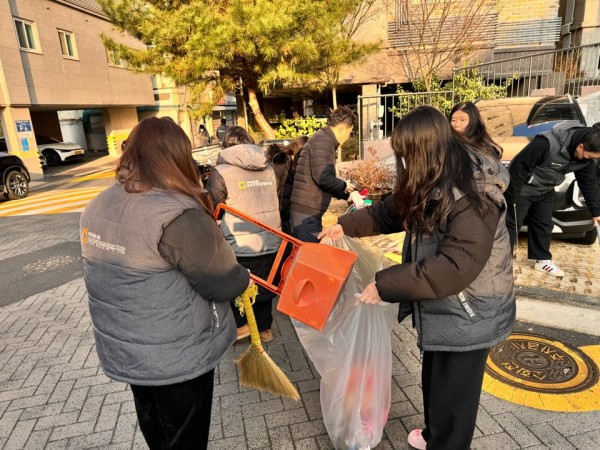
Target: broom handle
x=246 y=300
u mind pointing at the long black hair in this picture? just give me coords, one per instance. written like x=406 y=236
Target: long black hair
x=476 y=133
x=437 y=161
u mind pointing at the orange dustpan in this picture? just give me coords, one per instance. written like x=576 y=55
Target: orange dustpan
x=311 y=276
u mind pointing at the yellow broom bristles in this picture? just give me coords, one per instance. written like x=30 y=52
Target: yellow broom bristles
x=257 y=369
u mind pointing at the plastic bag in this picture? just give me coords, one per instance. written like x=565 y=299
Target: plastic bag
x=353 y=355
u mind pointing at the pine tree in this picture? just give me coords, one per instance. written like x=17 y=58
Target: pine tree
x=217 y=43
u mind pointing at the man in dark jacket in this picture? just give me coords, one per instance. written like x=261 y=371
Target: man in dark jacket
x=222 y=129
x=537 y=170
x=315 y=180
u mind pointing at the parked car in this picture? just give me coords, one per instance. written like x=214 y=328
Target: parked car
x=513 y=122
x=15 y=176
x=56 y=152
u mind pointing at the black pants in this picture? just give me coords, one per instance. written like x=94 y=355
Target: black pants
x=538 y=211
x=260 y=266
x=451 y=391
x=305 y=227
x=176 y=416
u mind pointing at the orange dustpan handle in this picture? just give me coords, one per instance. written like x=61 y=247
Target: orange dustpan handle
x=223 y=207
x=285 y=239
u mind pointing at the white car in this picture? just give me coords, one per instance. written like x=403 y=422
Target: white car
x=55 y=152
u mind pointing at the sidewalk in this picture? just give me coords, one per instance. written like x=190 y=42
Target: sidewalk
x=94 y=162
x=53 y=395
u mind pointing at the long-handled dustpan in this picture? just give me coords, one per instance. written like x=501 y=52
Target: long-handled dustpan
x=310 y=276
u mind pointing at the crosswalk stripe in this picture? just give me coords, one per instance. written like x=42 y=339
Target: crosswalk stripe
x=73 y=200
x=95 y=176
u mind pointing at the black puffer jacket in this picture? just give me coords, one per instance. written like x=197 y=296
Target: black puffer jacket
x=315 y=180
x=460 y=279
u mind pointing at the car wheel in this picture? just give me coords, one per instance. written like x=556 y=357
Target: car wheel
x=17 y=185
x=52 y=158
x=589 y=238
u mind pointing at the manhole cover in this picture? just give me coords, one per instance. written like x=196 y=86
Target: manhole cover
x=52 y=263
x=538 y=364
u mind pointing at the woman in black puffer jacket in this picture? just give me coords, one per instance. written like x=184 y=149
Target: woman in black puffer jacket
x=456 y=271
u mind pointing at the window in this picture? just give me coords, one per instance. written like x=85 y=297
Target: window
x=26 y=35
x=67 y=44
x=114 y=58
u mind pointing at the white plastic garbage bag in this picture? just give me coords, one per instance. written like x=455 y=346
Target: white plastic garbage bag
x=353 y=354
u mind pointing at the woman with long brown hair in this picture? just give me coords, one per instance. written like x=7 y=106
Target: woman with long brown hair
x=160 y=277
x=456 y=271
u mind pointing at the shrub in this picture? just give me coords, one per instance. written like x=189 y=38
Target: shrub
x=370 y=174
x=299 y=126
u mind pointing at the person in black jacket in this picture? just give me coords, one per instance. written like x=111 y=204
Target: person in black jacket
x=536 y=171
x=284 y=161
x=315 y=180
x=448 y=198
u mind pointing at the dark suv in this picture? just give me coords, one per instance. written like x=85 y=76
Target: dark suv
x=15 y=176
x=513 y=122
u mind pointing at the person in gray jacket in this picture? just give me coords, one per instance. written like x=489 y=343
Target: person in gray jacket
x=448 y=198
x=160 y=277
x=244 y=180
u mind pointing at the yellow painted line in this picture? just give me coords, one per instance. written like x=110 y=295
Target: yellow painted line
x=394 y=257
x=583 y=401
x=95 y=176
x=62 y=201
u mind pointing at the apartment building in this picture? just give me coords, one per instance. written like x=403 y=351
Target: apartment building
x=52 y=59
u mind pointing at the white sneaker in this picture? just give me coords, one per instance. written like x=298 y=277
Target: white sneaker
x=546 y=265
x=415 y=439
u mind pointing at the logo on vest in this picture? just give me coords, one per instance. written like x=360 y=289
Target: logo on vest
x=248 y=184
x=95 y=240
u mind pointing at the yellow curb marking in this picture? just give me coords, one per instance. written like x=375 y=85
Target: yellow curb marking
x=94 y=176
x=586 y=400
x=394 y=257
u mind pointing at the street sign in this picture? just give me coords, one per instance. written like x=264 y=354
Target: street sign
x=24 y=144
x=23 y=126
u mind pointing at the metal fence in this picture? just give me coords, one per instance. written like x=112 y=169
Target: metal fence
x=568 y=71
x=378 y=114
x=574 y=71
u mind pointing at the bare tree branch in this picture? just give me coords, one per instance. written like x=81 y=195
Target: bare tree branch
x=435 y=33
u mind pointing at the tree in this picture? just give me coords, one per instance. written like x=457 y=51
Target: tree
x=339 y=46
x=437 y=33
x=216 y=43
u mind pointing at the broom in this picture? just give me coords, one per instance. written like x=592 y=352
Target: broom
x=257 y=369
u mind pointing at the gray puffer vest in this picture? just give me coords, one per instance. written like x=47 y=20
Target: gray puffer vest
x=483 y=314
x=151 y=327
x=251 y=188
x=552 y=171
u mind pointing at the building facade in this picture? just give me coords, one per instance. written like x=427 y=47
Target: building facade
x=52 y=59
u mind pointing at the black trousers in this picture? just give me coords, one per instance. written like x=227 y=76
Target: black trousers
x=305 y=227
x=260 y=266
x=451 y=391
x=176 y=416
x=538 y=211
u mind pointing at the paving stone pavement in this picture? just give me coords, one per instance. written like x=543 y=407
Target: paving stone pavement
x=53 y=395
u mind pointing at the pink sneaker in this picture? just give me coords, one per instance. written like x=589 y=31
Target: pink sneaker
x=415 y=439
